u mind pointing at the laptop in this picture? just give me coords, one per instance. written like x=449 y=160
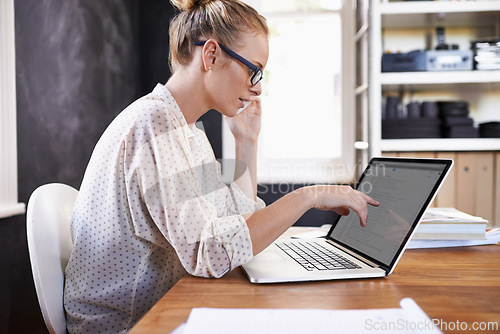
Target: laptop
x=405 y=187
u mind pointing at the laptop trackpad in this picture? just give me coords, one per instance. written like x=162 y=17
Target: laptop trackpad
x=271 y=254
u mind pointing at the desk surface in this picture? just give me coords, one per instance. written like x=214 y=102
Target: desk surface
x=454 y=284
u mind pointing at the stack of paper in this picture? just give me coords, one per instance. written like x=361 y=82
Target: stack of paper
x=450 y=224
x=408 y=319
x=492 y=238
x=449 y=227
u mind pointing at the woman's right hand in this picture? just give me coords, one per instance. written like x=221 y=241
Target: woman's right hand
x=340 y=199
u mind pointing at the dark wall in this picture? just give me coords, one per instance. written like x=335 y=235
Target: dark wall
x=76 y=70
x=77 y=67
x=153 y=42
x=153 y=55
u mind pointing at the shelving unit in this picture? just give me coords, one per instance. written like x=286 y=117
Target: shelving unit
x=424 y=13
x=442 y=144
x=436 y=80
x=482 y=17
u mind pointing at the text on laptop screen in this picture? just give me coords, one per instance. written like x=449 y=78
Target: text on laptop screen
x=402 y=190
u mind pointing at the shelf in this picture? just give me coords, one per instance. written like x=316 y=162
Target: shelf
x=440 y=144
x=424 y=7
x=424 y=80
x=394 y=20
x=430 y=13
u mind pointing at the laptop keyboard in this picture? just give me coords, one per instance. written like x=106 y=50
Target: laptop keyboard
x=314 y=256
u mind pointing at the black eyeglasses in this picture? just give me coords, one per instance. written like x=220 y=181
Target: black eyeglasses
x=257 y=72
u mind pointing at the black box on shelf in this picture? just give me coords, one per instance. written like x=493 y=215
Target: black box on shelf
x=404 y=62
x=489 y=130
x=453 y=108
x=461 y=132
x=451 y=121
x=456 y=122
x=405 y=128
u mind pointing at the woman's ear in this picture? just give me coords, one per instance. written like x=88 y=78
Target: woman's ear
x=211 y=51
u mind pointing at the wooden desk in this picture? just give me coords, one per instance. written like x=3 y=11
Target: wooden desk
x=455 y=284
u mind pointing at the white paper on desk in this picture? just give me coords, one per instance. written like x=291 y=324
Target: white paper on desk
x=407 y=319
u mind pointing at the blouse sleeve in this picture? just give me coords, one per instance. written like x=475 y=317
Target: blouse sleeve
x=174 y=201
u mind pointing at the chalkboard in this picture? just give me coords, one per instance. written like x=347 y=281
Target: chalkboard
x=77 y=67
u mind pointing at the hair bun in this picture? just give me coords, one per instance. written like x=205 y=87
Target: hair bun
x=188 y=4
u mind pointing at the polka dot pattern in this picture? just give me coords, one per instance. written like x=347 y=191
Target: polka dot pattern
x=151 y=207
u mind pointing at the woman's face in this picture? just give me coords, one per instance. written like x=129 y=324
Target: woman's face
x=231 y=85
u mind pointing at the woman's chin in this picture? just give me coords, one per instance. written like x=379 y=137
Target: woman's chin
x=231 y=113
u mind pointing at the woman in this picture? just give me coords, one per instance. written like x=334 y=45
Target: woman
x=151 y=205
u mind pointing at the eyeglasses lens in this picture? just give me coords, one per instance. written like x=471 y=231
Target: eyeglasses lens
x=257 y=76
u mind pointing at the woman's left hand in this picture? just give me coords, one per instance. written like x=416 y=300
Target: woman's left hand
x=246 y=125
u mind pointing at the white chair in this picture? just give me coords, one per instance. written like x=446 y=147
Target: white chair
x=49 y=243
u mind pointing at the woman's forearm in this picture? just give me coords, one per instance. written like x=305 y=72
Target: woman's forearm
x=268 y=224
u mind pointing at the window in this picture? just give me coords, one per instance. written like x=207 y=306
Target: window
x=307 y=131
x=8 y=147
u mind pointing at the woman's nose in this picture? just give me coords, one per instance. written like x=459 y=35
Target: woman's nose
x=257 y=89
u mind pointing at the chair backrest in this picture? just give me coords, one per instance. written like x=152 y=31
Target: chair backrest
x=49 y=243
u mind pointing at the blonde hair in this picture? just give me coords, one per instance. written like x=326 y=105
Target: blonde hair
x=222 y=20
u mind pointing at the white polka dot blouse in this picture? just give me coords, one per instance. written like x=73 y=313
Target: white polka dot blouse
x=151 y=207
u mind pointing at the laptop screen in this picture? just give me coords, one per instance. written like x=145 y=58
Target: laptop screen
x=404 y=188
